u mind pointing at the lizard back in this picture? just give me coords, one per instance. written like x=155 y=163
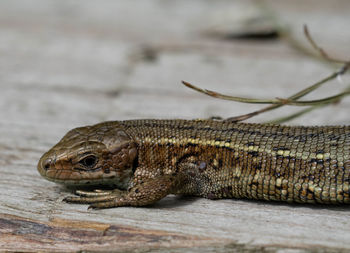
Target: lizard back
x=219 y=159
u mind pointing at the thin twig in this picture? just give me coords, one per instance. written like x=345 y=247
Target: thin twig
x=294 y=115
x=320 y=49
x=294 y=97
x=292 y=100
x=321 y=101
x=278 y=101
x=232 y=98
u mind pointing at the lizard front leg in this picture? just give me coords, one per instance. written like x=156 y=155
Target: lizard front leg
x=143 y=193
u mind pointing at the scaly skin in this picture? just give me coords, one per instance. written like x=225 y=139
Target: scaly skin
x=148 y=159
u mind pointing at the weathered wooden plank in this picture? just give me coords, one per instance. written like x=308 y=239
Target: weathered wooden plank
x=67 y=64
x=68 y=235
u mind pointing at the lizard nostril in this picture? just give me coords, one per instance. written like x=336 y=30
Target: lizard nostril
x=47 y=163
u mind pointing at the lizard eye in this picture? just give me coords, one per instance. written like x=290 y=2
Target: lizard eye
x=89 y=161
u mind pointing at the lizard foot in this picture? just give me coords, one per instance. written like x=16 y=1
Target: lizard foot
x=142 y=194
x=96 y=196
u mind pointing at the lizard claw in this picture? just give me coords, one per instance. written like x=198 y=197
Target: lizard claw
x=67 y=199
x=91 y=207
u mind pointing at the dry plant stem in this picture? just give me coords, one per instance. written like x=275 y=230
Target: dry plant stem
x=300 y=94
x=276 y=103
x=294 y=115
x=286 y=35
x=232 y=98
x=320 y=49
x=322 y=101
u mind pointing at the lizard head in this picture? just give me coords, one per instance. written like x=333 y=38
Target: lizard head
x=101 y=154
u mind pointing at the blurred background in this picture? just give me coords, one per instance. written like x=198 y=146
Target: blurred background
x=81 y=62
x=69 y=63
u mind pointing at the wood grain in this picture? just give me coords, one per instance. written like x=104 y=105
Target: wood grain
x=65 y=64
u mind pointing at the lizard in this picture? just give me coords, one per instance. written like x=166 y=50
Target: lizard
x=145 y=160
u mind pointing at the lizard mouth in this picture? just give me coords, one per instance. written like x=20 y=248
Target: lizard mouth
x=80 y=176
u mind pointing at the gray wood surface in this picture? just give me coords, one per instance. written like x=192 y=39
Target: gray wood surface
x=65 y=64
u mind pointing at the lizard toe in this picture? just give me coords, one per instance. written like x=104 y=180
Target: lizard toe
x=94 y=193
